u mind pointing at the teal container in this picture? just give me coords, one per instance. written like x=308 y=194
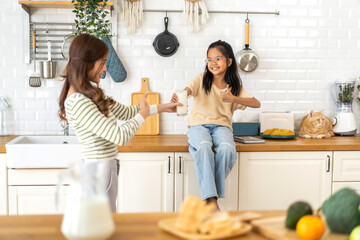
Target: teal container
x=245 y=128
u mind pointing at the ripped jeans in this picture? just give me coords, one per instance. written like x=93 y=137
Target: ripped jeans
x=212 y=168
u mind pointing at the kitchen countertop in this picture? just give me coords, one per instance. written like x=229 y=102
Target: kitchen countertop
x=178 y=143
x=130 y=226
x=127 y=226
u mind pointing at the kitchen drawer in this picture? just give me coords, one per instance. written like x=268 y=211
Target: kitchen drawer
x=31 y=177
x=338 y=185
x=346 y=166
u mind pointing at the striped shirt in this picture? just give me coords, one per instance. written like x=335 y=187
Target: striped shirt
x=99 y=135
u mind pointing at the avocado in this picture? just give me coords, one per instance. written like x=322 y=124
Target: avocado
x=342 y=210
x=295 y=211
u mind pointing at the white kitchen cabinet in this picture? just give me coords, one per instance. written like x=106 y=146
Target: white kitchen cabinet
x=3 y=185
x=159 y=182
x=145 y=182
x=346 y=170
x=186 y=183
x=35 y=200
x=33 y=191
x=339 y=185
x=346 y=166
x=273 y=180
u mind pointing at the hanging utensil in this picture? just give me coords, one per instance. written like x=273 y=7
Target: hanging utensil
x=34 y=79
x=48 y=68
x=166 y=43
x=66 y=45
x=247 y=59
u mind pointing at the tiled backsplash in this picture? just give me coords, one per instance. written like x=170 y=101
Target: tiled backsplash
x=302 y=52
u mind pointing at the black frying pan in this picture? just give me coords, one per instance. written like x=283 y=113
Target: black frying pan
x=166 y=44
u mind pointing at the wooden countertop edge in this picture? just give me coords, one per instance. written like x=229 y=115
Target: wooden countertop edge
x=242 y=148
x=178 y=143
x=153 y=149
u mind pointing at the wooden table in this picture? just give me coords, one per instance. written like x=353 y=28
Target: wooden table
x=139 y=226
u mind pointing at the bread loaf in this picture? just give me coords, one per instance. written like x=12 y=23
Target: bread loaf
x=196 y=216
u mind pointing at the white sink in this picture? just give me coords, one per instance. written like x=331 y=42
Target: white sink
x=43 y=151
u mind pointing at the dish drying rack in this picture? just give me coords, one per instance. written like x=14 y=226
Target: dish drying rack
x=55 y=33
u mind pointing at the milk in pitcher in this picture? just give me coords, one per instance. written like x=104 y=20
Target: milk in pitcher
x=88 y=219
x=87 y=214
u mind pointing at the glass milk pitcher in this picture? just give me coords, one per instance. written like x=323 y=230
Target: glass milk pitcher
x=87 y=213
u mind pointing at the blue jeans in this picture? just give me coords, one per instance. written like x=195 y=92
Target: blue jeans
x=212 y=168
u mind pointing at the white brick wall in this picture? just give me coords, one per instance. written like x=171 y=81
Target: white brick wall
x=302 y=52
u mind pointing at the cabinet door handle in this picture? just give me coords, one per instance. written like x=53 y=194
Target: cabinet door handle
x=179 y=164
x=328 y=164
x=169 y=164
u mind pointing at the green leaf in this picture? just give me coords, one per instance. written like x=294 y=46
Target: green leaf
x=90 y=17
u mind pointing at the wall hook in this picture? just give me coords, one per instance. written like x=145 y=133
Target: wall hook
x=47 y=32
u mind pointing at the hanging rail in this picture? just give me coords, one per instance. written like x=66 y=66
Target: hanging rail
x=234 y=12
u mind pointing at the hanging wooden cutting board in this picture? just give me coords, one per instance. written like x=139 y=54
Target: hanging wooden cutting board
x=151 y=126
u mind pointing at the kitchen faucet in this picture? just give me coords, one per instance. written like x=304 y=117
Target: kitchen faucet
x=65 y=129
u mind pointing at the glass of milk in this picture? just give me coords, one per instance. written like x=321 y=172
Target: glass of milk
x=182 y=98
x=87 y=213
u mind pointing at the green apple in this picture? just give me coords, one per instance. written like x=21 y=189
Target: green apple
x=355 y=233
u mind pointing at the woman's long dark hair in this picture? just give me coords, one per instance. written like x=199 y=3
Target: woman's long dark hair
x=84 y=51
x=232 y=76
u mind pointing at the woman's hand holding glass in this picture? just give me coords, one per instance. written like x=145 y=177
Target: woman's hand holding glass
x=174 y=98
x=168 y=107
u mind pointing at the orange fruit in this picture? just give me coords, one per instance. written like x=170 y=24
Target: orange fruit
x=310 y=227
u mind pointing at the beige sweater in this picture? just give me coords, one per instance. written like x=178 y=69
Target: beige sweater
x=210 y=109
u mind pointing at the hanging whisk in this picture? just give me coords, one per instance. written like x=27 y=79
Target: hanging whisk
x=195 y=11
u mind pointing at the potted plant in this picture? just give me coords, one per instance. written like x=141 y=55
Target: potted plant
x=90 y=17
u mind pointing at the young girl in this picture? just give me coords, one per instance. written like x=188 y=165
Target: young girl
x=217 y=93
x=92 y=114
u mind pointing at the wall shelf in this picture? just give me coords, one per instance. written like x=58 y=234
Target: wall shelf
x=27 y=5
x=55 y=4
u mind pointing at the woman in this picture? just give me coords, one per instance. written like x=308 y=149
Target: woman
x=92 y=114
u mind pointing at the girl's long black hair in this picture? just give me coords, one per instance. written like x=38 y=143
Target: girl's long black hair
x=232 y=76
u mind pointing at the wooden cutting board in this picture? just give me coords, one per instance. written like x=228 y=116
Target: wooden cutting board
x=151 y=126
x=274 y=228
x=168 y=225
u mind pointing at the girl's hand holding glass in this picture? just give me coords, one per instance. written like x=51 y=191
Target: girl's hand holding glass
x=180 y=97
